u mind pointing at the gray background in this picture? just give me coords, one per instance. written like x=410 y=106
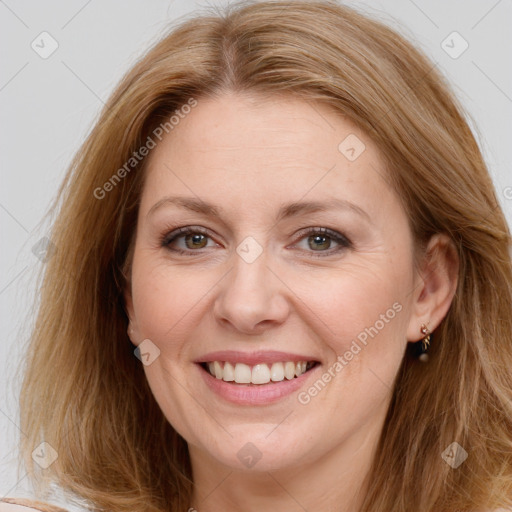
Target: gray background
x=49 y=105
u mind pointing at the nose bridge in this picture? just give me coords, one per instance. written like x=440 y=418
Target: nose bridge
x=251 y=266
x=251 y=295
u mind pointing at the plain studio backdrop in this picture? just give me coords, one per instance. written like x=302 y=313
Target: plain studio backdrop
x=62 y=59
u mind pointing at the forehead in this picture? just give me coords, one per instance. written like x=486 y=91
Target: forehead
x=255 y=125
x=255 y=150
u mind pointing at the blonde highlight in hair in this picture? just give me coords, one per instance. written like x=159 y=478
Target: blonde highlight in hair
x=86 y=394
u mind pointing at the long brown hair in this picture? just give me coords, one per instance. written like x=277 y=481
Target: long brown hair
x=84 y=391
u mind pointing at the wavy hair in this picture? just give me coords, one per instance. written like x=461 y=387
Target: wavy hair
x=85 y=393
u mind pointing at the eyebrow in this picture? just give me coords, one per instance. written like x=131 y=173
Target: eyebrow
x=286 y=211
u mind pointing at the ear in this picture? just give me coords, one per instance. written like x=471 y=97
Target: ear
x=133 y=330
x=435 y=286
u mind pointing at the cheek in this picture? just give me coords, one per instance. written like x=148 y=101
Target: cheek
x=347 y=302
x=165 y=300
x=361 y=317
x=341 y=304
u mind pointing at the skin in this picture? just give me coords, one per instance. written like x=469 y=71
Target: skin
x=248 y=155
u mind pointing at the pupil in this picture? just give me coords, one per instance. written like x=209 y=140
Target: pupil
x=319 y=238
x=196 y=239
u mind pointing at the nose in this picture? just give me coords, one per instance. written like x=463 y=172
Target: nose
x=251 y=297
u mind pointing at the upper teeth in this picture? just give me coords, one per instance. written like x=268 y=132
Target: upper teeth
x=259 y=373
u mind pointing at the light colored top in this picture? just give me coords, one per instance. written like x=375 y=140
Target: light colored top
x=9 y=507
x=25 y=505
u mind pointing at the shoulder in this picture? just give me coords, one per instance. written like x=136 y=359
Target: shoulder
x=26 y=505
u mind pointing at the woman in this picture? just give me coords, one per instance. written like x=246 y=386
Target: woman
x=282 y=281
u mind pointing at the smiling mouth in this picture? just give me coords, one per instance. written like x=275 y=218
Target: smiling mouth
x=258 y=374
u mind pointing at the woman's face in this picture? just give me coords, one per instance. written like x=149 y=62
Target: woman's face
x=298 y=252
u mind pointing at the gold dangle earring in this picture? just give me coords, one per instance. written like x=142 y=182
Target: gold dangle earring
x=425 y=344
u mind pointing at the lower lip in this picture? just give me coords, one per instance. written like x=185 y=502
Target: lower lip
x=254 y=394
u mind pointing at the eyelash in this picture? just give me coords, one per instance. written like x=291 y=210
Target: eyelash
x=343 y=241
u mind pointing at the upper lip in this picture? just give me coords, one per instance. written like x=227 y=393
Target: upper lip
x=252 y=358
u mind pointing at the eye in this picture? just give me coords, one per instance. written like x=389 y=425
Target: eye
x=193 y=237
x=320 y=240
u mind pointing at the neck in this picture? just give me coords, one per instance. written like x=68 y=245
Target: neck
x=336 y=481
